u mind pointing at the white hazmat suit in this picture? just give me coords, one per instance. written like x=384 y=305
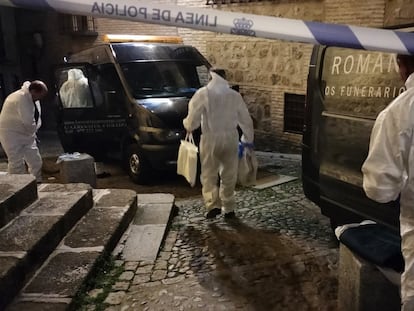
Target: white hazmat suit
x=219 y=109
x=18 y=132
x=389 y=171
x=75 y=93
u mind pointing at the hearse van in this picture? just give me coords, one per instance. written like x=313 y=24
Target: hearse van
x=127 y=98
x=346 y=91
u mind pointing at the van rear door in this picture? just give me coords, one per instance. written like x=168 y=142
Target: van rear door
x=91 y=108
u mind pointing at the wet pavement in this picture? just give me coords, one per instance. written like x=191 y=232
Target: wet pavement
x=279 y=254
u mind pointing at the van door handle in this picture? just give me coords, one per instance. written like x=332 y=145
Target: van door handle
x=316 y=139
x=323 y=86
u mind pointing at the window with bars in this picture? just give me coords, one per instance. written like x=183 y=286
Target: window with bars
x=294 y=113
x=79 y=25
x=212 y=2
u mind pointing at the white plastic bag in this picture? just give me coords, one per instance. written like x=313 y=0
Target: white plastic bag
x=187 y=160
x=68 y=156
x=247 y=168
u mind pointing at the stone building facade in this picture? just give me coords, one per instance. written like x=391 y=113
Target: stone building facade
x=266 y=70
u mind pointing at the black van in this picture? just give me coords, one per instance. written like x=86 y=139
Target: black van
x=127 y=98
x=346 y=90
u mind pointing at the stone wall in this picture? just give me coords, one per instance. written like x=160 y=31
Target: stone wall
x=265 y=70
x=355 y=12
x=398 y=12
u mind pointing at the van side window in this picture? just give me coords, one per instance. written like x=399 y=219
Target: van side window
x=107 y=88
x=97 y=55
x=164 y=79
x=74 y=90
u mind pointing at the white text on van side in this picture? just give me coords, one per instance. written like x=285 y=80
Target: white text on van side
x=364 y=91
x=364 y=63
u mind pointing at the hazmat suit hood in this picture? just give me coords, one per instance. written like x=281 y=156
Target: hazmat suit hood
x=77 y=74
x=25 y=86
x=74 y=92
x=217 y=82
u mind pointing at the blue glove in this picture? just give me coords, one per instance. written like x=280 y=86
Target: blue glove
x=242 y=146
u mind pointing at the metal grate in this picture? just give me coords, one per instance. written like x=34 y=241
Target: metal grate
x=294 y=113
x=78 y=25
x=212 y=2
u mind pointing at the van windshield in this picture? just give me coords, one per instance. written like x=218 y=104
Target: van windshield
x=164 y=78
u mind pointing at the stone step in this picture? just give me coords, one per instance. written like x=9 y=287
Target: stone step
x=362 y=286
x=16 y=193
x=27 y=240
x=149 y=227
x=77 y=257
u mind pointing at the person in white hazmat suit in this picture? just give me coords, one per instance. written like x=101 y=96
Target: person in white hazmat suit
x=19 y=122
x=219 y=110
x=388 y=171
x=74 y=92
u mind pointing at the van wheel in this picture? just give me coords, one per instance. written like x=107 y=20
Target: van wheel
x=136 y=164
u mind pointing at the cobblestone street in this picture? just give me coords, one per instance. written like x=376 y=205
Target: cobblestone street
x=279 y=254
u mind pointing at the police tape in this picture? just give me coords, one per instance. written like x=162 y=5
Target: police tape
x=233 y=23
